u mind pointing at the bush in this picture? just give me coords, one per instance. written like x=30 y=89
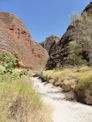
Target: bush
x=83 y=90
x=8 y=61
x=75 y=57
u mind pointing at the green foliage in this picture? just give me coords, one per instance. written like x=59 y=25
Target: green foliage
x=24 y=72
x=73 y=47
x=14 y=74
x=8 y=61
x=74 y=57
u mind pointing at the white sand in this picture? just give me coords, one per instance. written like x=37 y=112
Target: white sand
x=63 y=111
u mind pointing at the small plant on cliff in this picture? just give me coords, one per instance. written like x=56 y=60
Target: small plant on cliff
x=75 y=16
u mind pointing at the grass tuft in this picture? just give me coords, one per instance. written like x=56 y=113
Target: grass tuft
x=19 y=102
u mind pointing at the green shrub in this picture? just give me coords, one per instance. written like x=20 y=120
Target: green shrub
x=74 y=57
x=8 y=61
x=24 y=72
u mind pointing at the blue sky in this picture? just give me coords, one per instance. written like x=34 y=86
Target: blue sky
x=44 y=17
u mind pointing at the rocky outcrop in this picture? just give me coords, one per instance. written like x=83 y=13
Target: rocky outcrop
x=50 y=43
x=88 y=9
x=16 y=40
x=75 y=46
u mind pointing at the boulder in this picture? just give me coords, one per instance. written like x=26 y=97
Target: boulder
x=16 y=40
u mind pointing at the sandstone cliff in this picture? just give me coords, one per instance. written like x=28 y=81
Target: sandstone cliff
x=50 y=43
x=16 y=40
x=75 y=46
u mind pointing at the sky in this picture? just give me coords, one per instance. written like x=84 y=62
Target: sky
x=44 y=17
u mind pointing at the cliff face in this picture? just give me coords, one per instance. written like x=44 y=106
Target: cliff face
x=88 y=9
x=75 y=46
x=16 y=40
x=50 y=43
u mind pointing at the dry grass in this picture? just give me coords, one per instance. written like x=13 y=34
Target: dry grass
x=19 y=102
x=82 y=73
x=83 y=89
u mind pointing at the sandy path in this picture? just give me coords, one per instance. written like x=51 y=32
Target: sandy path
x=63 y=110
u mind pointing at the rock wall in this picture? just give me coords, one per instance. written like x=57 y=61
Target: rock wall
x=16 y=40
x=75 y=46
x=50 y=43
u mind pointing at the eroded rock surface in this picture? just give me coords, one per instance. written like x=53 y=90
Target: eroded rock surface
x=75 y=46
x=15 y=39
x=50 y=43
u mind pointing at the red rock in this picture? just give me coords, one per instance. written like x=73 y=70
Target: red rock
x=15 y=39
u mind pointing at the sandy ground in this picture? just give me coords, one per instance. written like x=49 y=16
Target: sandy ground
x=63 y=110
